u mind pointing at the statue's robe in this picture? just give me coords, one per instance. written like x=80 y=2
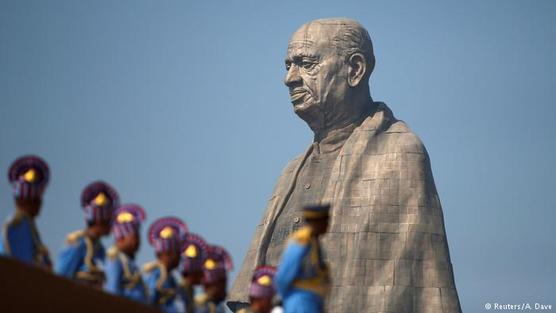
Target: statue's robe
x=386 y=245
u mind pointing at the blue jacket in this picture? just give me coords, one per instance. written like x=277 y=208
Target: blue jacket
x=82 y=259
x=123 y=277
x=302 y=266
x=163 y=290
x=21 y=240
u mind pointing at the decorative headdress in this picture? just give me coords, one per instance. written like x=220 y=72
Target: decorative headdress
x=127 y=220
x=99 y=200
x=29 y=176
x=194 y=253
x=262 y=283
x=319 y=211
x=167 y=234
x=217 y=264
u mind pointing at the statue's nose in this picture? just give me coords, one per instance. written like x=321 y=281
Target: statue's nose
x=292 y=76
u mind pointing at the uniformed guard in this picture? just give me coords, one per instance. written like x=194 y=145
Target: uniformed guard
x=83 y=257
x=302 y=279
x=261 y=291
x=193 y=255
x=29 y=177
x=123 y=277
x=167 y=236
x=215 y=278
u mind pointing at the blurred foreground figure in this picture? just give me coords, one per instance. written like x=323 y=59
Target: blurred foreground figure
x=215 y=279
x=84 y=255
x=167 y=236
x=191 y=268
x=29 y=177
x=261 y=291
x=302 y=279
x=123 y=277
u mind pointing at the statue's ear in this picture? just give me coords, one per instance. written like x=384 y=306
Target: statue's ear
x=357 y=69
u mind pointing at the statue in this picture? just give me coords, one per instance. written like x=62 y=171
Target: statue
x=386 y=245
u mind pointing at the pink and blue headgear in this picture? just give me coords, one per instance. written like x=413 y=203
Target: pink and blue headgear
x=217 y=264
x=167 y=234
x=127 y=220
x=193 y=254
x=262 y=283
x=99 y=201
x=29 y=176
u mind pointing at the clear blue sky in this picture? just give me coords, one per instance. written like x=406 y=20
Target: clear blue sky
x=181 y=106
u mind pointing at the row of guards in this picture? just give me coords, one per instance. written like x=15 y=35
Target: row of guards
x=302 y=279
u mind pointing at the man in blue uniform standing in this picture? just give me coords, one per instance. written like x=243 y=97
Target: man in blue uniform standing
x=215 y=279
x=302 y=279
x=191 y=268
x=123 y=277
x=82 y=258
x=167 y=236
x=20 y=238
x=261 y=291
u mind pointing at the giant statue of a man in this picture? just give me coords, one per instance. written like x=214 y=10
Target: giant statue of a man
x=386 y=245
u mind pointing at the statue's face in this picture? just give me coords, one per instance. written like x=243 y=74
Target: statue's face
x=317 y=74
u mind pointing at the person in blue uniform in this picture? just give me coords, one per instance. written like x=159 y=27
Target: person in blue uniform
x=215 y=279
x=261 y=291
x=84 y=255
x=191 y=268
x=123 y=277
x=21 y=240
x=167 y=236
x=302 y=279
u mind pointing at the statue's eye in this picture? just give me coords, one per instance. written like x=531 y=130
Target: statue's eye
x=307 y=65
x=288 y=66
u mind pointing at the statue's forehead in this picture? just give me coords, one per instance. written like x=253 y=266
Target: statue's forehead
x=309 y=37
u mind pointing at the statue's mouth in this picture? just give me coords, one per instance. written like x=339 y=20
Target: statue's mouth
x=297 y=96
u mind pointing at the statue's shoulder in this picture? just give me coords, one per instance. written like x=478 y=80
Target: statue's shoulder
x=302 y=236
x=395 y=134
x=384 y=121
x=398 y=126
x=406 y=140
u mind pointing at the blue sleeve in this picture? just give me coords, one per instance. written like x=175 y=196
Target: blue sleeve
x=18 y=237
x=70 y=259
x=113 y=271
x=150 y=281
x=289 y=266
x=101 y=253
x=182 y=294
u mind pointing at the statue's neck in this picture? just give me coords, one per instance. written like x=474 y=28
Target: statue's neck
x=336 y=129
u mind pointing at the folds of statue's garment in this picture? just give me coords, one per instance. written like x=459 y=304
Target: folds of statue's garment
x=386 y=245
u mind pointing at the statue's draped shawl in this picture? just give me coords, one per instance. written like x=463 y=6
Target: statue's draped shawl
x=386 y=244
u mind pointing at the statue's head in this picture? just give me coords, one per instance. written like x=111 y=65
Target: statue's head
x=329 y=62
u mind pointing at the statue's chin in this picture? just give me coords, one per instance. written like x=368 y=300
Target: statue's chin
x=304 y=109
x=300 y=107
x=310 y=113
